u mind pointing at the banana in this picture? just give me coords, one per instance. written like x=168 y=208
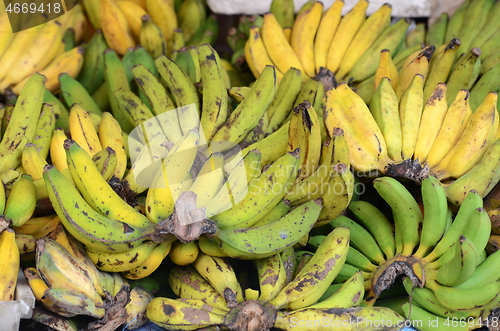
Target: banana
x=83 y=131
x=287 y=91
x=10 y=269
x=263 y=194
x=69 y=62
x=411 y=108
x=152 y=38
x=404 y=207
x=313 y=91
x=116 y=78
x=471 y=202
x=488 y=82
x=74 y=92
x=209 y=180
x=163 y=15
x=315 y=185
x=44 y=129
x=461 y=266
x=418 y=314
x=385 y=111
x=169 y=178
x=234 y=244
x=153 y=261
x=256 y=55
x=22 y=123
x=187 y=283
x=272 y=277
x=67 y=202
x=361 y=239
x=308 y=138
x=284 y=12
x=302 y=38
x=110 y=136
x=74 y=302
x=115 y=28
x=248 y=113
x=368 y=150
x=386 y=68
x=435 y=215
x=215 y=101
x=133 y=12
x=364 y=38
x=377 y=224
x=96 y=190
x=33 y=224
x=415 y=64
x=467 y=299
x=349 y=26
x=58 y=268
x=480 y=133
x=162 y=105
x=47 y=228
x=432 y=119
x=457 y=20
x=219 y=273
x=332 y=253
x=21 y=202
x=38 y=286
x=57 y=152
x=120 y=262
x=183 y=92
x=437 y=30
x=427 y=300
x=184 y=254
x=389 y=39
x=19 y=44
x=176 y=315
x=277 y=46
x=464 y=74
x=39 y=54
x=456 y=119
x=33 y=163
x=440 y=67
x=236 y=187
x=328 y=25
x=349 y=295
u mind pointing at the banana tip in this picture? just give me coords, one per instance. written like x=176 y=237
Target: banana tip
x=68 y=143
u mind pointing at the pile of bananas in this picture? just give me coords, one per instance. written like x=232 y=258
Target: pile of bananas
x=49 y=48
x=287 y=294
x=160 y=26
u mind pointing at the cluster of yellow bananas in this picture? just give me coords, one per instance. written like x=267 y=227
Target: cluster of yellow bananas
x=160 y=26
x=348 y=46
x=287 y=293
x=449 y=274
x=48 y=48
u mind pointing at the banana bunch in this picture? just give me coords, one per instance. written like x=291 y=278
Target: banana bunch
x=448 y=272
x=160 y=26
x=348 y=46
x=66 y=282
x=401 y=135
x=41 y=49
x=211 y=288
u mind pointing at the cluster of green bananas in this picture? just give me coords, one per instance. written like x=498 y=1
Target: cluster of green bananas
x=160 y=26
x=65 y=281
x=211 y=288
x=49 y=48
x=448 y=273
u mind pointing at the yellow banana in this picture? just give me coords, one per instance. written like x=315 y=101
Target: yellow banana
x=256 y=54
x=432 y=119
x=83 y=131
x=57 y=152
x=115 y=28
x=303 y=32
x=152 y=263
x=110 y=135
x=163 y=14
x=278 y=48
x=410 y=111
x=120 y=262
x=364 y=38
x=133 y=13
x=10 y=267
x=417 y=63
x=327 y=27
x=184 y=253
x=386 y=68
x=347 y=29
